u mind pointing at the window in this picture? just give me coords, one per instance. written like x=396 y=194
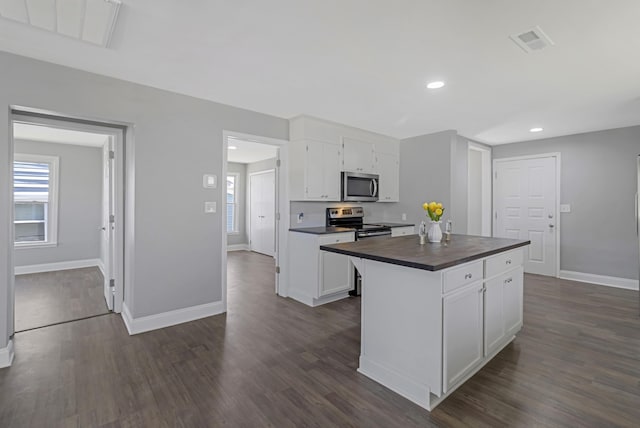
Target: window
x=232 y=203
x=35 y=181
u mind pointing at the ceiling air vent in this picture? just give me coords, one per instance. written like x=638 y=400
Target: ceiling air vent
x=532 y=40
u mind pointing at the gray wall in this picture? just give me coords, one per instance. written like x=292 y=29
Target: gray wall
x=79 y=204
x=176 y=139
x=241 y=186
x=263 y=165
x=598 y=179
x=425 y=175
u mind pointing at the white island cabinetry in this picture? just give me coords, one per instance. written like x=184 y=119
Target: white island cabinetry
x=430 y=318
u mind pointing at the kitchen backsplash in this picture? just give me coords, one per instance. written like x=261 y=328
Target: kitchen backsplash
x=313 y=213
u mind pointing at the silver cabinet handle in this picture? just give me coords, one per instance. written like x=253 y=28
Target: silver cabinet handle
x=508 y=261
x=508 y=280
x=468 y=276
x=551 y=225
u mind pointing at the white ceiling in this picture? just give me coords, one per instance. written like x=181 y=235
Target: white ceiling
x=365 y=63
x=249 y=151
x=27 y=131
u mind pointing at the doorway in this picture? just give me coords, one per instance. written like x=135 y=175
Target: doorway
x=256 y=205
x=67 y=219
x=526 y=204
x=479 y=193
x=262 y=210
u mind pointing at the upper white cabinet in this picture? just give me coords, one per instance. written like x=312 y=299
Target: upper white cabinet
x=320 y=150
x=357 y=156
x=387 y=166
x=314 y=171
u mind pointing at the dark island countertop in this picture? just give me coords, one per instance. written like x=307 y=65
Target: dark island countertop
x=407 y=251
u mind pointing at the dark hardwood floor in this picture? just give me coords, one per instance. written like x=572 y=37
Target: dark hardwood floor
x=274 y=362
x=53 y=297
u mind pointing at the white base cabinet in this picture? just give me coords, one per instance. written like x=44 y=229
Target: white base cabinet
x=425 y=333
x=318 y=277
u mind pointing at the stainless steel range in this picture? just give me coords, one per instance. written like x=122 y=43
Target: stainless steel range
x=353 y=217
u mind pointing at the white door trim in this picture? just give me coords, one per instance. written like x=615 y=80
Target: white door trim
x=118 y=132
x=487 y=199
x=557 y=156
x=248 y=209
x=282 y=207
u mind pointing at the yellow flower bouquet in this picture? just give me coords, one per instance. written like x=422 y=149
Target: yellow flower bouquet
x=434 y=210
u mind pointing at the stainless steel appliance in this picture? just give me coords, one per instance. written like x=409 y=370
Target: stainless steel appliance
x=353 y=217
x=358 y=187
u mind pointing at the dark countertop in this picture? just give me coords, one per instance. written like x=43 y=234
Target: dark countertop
x=322 y=230
x=392 y=225
x=325 y=230
x=407 y=251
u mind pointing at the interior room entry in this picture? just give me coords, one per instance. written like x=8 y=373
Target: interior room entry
x=262 y=208
x=525 y=202
x=68 y=219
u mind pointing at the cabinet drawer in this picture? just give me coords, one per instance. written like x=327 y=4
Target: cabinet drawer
x=458 y=277
x=336 y=238
x=401 y=231
x=503 y=262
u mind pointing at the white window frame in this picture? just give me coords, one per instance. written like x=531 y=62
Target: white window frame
x=236 y=228
x=52 y=205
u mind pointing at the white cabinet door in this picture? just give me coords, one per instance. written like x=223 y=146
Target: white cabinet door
x=335 y=273
x=387 y=166
x=462 y=333
x=322 y=172
x=357 y=155
x=314 y=172
x=502 y=308
x=331 y=170
x=494 y=324
x=513 y=294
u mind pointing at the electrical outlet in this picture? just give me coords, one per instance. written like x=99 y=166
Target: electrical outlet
x=404 y=217
x=565 y=208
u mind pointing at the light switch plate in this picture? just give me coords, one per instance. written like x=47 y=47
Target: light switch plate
x=209 y=181
x=404 y=217
x=565 y=208
x=210 y=207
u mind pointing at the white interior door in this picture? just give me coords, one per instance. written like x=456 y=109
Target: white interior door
x=525 y=208
x=262 y=209
x=108 y=227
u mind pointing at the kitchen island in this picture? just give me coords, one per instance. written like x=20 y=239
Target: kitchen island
x=434 y=314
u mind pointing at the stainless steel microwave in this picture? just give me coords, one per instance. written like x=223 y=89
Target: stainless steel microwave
x=358 y=187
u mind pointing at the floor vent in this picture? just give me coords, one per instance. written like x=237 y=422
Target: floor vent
x=532 y=40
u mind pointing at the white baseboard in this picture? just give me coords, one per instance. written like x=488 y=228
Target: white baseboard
x=6 y=355
x=167 y=319
x=101 y=267
x=610 y=281
x=238 y=247
x=50 y=267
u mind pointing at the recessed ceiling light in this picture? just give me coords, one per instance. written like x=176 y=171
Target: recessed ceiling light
x=435 y=85
x=535 y=130
x=232 y=147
